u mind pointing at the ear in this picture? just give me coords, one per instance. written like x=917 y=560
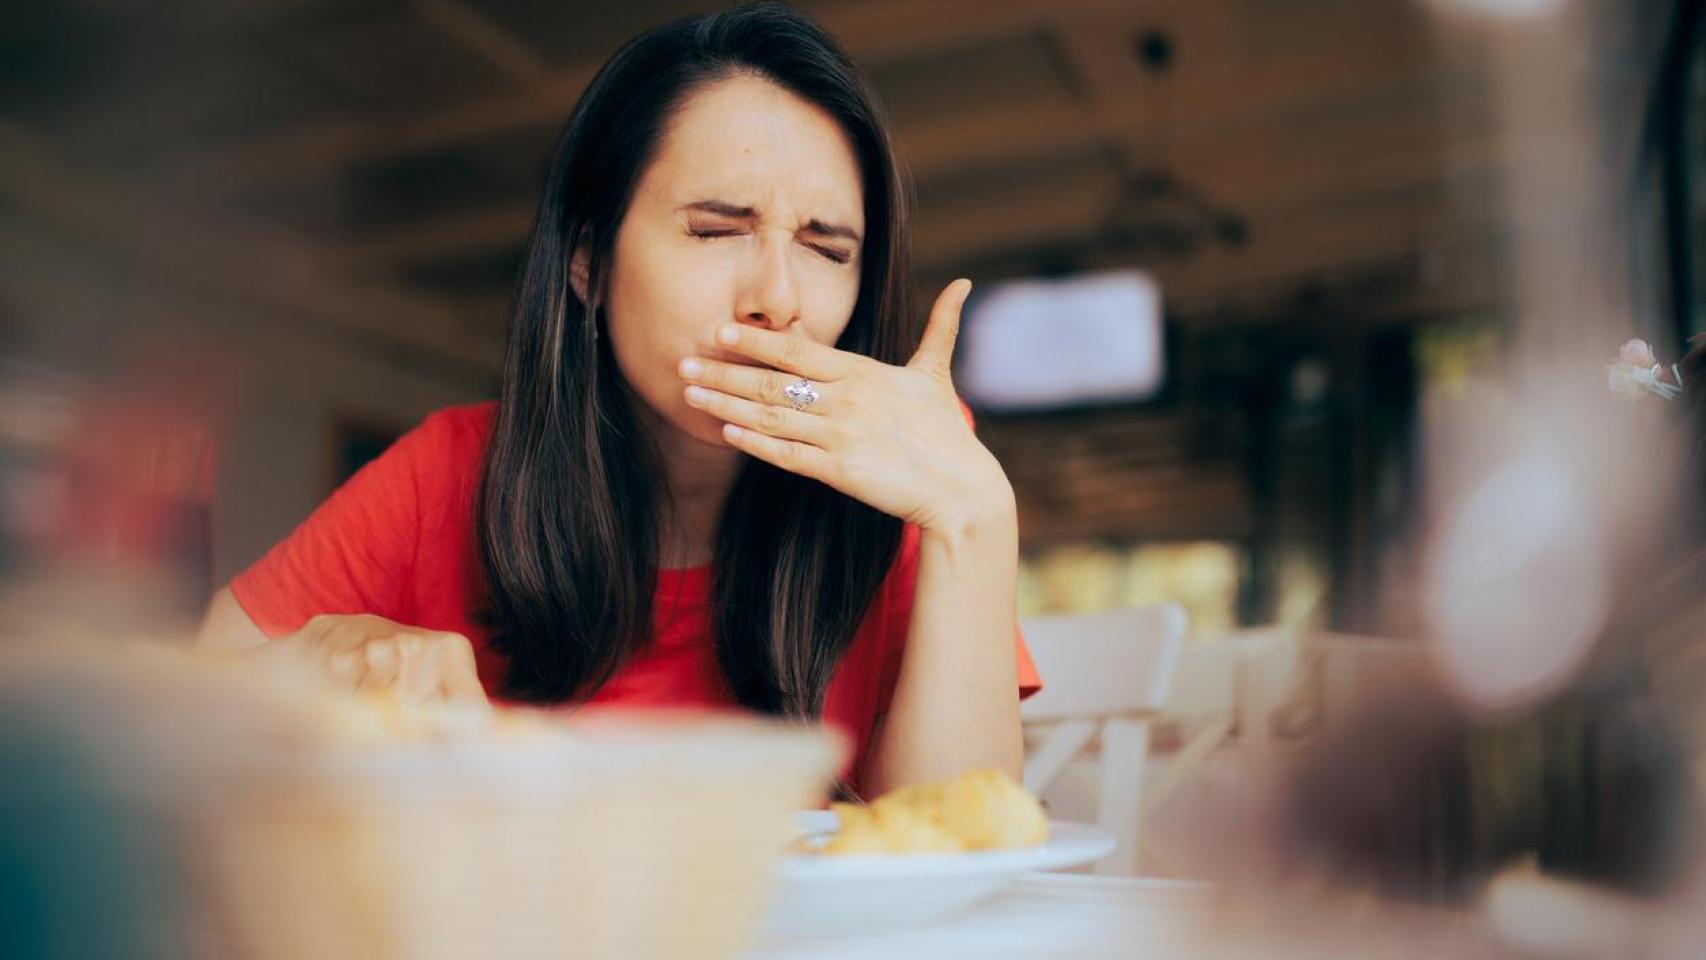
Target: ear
x=579 y=272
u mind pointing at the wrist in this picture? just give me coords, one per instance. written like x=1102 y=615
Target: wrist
x=984 y=518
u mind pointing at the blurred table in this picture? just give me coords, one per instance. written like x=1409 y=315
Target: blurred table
x=1051 y=915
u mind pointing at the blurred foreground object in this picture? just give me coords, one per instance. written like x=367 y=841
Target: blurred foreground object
x=1635 y=374
x=1414 y=798
x=282 y=823
x=107 y=489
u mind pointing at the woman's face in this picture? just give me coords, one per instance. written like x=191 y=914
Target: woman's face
x=752 y=212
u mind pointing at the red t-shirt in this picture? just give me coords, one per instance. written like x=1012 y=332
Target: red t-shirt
x=397 y=541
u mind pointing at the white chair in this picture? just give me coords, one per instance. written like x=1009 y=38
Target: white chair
x=1105 y=676
x=1227 y=693
x=1225 y=686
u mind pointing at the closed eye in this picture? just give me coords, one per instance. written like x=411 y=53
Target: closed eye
x=834 y=255
x=831 y=254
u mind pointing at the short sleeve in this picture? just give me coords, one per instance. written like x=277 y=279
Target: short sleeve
x=356 y=552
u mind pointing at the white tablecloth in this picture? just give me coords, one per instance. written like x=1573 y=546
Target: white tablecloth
x=1053 y=915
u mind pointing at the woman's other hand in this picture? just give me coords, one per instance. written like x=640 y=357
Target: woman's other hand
x=362 y=652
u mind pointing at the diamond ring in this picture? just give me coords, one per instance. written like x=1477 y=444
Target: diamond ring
x=801 y=394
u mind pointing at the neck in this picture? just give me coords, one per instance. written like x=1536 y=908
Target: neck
x=698 y=477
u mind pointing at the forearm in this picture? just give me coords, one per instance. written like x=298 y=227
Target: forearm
x=956 y=702
x=227 y=627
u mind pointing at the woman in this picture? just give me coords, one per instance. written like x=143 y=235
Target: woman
x=719 y=472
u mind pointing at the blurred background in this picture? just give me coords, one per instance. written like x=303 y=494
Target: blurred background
x=1296 y=313
x=292 y=226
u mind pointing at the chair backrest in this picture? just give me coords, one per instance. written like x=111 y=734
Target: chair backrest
x=1097 y=664
x=1245 y=675
x=1104 y=676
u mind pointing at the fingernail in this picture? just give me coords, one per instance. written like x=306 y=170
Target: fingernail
x=691 y=368
x=728 y=335
x=731 y=432
x=697 y=395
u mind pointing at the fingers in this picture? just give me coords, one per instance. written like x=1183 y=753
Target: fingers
x=344 y=667
x=936 y=348
x=754 y=383
x=775 y=421
x=418 y=680
x=383 y=662
x=373 y=654
x=459 y=676
x=793 y=353
x=439 y=667
x=790 y=455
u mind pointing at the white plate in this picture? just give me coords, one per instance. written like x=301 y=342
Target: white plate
x=836 y=896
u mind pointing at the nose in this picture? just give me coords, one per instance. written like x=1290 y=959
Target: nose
x=769 y=295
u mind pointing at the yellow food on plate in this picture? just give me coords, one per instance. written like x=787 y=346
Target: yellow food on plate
x=979 y=810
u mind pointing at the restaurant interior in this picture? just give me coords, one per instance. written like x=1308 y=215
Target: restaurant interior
x=1356 y=539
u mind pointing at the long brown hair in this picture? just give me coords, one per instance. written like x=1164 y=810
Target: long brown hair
x=568 y=535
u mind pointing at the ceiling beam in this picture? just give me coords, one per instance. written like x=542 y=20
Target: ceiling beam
x=1173 y=118
x=1323 y=251
x=1285 y=250
x=322 y=149
x=483 y=230
x=164 y=239
x=1254 y=162
x=1077 y=208
x=486 y=39
x=1266 y=177
x=872 y=31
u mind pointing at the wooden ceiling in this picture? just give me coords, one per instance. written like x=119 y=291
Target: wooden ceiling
x=1245 y=150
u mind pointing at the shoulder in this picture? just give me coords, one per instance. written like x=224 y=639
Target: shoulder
x=468 y=425
x=445 y=452
x=446 y=438
x=439 y=459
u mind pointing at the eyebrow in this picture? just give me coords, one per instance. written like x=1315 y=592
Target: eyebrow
x=724 y=209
